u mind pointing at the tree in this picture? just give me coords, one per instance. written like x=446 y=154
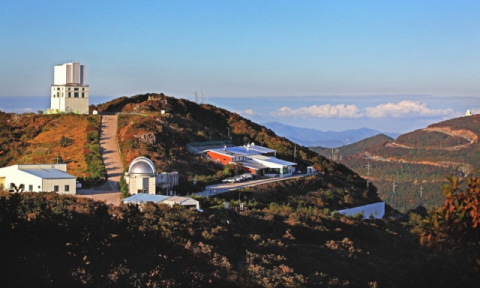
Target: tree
x=454 y=226
x=65 y=141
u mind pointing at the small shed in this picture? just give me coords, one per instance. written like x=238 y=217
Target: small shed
x=183 y=201
x=141 y=198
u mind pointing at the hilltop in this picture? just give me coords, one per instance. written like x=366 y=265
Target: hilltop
x=418 y=161
x=144 y=130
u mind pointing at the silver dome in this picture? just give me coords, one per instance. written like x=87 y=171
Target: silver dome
x=141 y=165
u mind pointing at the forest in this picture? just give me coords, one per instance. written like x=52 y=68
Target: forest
x=287 y=237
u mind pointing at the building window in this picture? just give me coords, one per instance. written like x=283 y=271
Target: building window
x=55 y=188
x=12 y=186
x=58 y=94
x=75 y=94
x=58 y=88
x=75 y=89
x=83 y=89
x=38 y=187
x=69 y=94
x=30 y=188
x=67 y=188
x=83 y=95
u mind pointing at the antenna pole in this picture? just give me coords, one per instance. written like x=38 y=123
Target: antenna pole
x=368 y=173
x=393 y=186
x=421 y=195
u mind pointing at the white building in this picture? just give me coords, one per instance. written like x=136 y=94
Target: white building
x=169 y=200
x=143 y=178
x=69 y=92
x=38 y=178
x=258 y=160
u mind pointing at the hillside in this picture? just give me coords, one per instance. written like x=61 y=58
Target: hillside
x=328 y=139
x=64 y=241
x=144 y=130
x=354 y=148
x=418 y=161
x=31 y=138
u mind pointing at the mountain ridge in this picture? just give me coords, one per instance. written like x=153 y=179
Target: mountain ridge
x=327 y=139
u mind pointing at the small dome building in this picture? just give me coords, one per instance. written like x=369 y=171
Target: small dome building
x=142 y=177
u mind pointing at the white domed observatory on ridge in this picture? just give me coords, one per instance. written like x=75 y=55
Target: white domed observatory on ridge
x=69 y=92
x=142 y=177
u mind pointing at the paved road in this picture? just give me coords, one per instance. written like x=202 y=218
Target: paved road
x=109 y=151
x=226 y=187
x=109 y=191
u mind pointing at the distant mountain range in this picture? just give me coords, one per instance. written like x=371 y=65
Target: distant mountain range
x=329 y=139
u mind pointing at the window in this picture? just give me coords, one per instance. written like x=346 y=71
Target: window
x=68 y=89
x=30 y=188
x=83 y=89
x=58 y=94
x=83 y=95
x=75 y=94
x=75 y=89
x=12 y=185
x=55 y=188
x=58 y=88
x=69 y=94
x=67 y=188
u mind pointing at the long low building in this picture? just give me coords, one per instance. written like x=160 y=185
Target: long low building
x=38 y=178
x=257 y=160
x=162 y=199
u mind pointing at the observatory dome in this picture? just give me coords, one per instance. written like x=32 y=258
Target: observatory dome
x=141 y=165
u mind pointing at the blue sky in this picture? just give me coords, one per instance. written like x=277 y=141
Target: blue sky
x=311 y=53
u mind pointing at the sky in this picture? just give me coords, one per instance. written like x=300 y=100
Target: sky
x=330 y=65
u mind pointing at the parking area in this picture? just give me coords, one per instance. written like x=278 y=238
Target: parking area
x=216 y=189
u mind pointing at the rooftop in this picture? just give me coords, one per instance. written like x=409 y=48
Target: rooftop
x=49 y=173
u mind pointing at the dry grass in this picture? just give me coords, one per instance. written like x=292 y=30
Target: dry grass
x=45 y=147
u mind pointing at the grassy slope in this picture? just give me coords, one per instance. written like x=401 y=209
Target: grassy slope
x=30 y=138
x=188 y=122
x=410 y=177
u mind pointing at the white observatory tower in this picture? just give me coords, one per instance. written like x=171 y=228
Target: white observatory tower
x=69 y=90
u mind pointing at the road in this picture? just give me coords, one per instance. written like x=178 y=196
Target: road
x=109 y=191
x=226 y=187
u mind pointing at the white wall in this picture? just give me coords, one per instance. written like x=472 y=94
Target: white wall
x=48 y=185
x=18 y=177
x=70 y=73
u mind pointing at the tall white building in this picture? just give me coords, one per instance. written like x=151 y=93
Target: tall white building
x=69 y=92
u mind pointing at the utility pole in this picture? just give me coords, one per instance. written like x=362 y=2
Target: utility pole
x=368 y=172
x=393 y=186
x=228 y=128
x=294 y=152
x=421 y=195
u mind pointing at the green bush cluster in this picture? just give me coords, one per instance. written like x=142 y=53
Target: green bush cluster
x=93 y=158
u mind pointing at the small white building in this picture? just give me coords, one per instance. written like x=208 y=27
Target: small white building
x=143 y=178
x=38 y=178
x=169 y=200
x=69 y=92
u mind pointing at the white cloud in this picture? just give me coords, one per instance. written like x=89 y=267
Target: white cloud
x=322 y=111
x=405 y=109
x=402 y=109
x=249 y=112
x=23 y=110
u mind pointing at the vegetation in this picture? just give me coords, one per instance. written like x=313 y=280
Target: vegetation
x=144 y=131
x=416 y=160
x=453 y=227
x=284 y=239
x=70 y=138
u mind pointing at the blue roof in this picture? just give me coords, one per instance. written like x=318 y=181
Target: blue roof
x=49 y=173
x=144 y=198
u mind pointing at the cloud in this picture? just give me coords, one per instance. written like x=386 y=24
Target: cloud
x=402 y=109
x=405 y=109
x=249 y=112
x=322 y=111
x=23 y=110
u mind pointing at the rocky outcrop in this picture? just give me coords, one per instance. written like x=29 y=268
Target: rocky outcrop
x=147 y=138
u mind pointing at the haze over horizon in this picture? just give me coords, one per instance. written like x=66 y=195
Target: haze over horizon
x=328 y=65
